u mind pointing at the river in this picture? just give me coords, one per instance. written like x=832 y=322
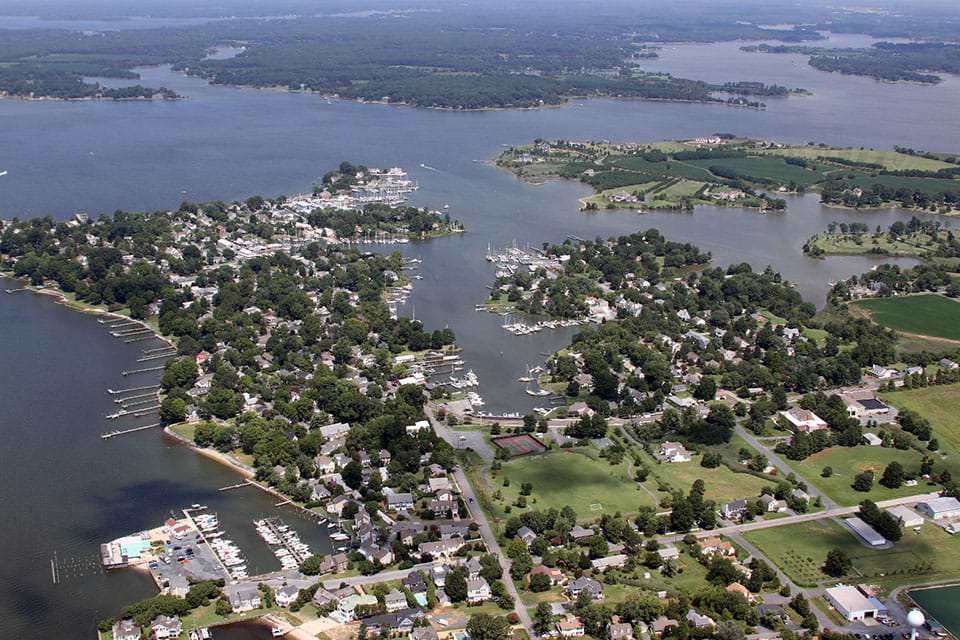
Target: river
x=67 y=491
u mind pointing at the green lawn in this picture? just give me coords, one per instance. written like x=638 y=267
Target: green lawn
x=860 y=244
x=801 y=549
x=941 y=406
x=928 y=314
x=574 y=477
x=848 y=462
x=723 y=485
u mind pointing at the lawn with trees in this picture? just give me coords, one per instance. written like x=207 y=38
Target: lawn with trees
x=846 y=463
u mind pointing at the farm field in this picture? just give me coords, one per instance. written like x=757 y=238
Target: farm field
x=672 y=168
x=889 y=159
x=928 y=314
x=941 y=406
x=848 y=462
x=571 y=477
x=764 y=167
x=932 y=554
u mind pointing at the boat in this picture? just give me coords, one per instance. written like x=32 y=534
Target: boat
x=3 y=173
x=277 y=632
x=541 y=392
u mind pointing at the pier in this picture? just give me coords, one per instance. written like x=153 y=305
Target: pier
x=149 y=336
x=157 y=356
x=114 y=434
x=236 y=486
x=142 y=395
x=136 y=414
x=143 y=388
x=136 y=371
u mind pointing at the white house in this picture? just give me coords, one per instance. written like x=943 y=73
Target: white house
x=674 y=452
x=940 y=508
x=850 y=603
x=417 y=427
x=478 y=591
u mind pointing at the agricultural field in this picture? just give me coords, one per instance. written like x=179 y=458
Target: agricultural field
x=765 y=168
x=929 y=186
x=888 y=159
x=847 y=462
x=575 y=477
x=941 y=406
x=930 y=555
x=927 y=315
x=673 y=168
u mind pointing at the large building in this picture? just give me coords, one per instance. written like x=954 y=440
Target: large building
x=803 y=421
x=940 y=508
x=850 y=603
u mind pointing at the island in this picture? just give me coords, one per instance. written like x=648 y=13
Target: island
x=914 y=238
x=724 y=170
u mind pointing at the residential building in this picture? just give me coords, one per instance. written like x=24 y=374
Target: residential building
x=166 y=627
x=674 y=452
x=591 y=586
x=698 y=621
x=286 y=595
x=571 y=627
x=126 y=630
x=772 y=505
x=400 y=501
x=556 y=575
x=715 y=546
x=734 y=510
x=424 y=633
x=609 y=562
x=346 y=610
x=477 y=590
x=668 y=552
x=527 y=535
x=245 y=598
x=619 y=630
x=395 y=601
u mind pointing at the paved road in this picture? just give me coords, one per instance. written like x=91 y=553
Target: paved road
x=383 y=576
x=486 y=531
x=782 y=466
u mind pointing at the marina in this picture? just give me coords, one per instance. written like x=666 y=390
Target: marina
x=284 y=542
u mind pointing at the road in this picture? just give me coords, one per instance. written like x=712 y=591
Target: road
x=486 y=531
x=383 y=576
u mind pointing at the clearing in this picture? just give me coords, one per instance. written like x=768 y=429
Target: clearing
x=926 y=315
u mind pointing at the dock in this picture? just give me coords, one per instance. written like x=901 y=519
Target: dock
x=239 y=485
x=143 y=388
x=137 y=397
x=157 y=356
x=114 y=434
x=139 y=413
x=136 y=371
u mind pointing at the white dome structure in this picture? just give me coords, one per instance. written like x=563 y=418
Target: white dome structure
x=916 y=618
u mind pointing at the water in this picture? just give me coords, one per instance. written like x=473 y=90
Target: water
x=941 y=604
x=68 y=491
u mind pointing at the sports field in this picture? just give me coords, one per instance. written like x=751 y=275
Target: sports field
x=929 y=555
x=928 y=314
x=573 y=477
x=847 y=462
x=519 y=445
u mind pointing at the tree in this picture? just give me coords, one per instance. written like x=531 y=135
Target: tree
x=311 y=566
x=892 y=476
x=223 y=607
x=827 y=472
x=456 y=585
x=484 y=626
x=838 y=563
x=173 y=409
x=543 y=618
x=539 y=582
x=863 y=481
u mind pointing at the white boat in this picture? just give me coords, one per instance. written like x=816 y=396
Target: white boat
x=277 y=632
x=3 y=173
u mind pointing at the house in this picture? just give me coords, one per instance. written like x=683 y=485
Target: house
x=346 y=610
x=400 y=501
x=337 y=563
x=477 y=590
x=440 y=548
x=803 y=421
x=734 y=510
x=736 y=587
x=245 y=598
x=940 y=508
x=571 y=627
x=417 y=427
x=415 y=583
x=286 y=595
x=473 y=567
x=395 y=601
x=424 y=633
x=556 y=575
x=715 y=546
x=578 y=532
x=948 y=364
x=906 y=517
x=334 y=431
x=527 y=535
x=166 y=627
x=610 y=562
x=619 y=630
x=661 y=624
x=698 y=620
x=589 y=585
x=324 y=464
x=772 y=505
x=850 y=603
x=773 y=611
x=579 y=409
x=674 y=452
x=440 y=485
x=126 y=630
x=393 y=624
x=668 y=552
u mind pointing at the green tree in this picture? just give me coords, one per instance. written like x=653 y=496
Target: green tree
x=543 y=618
x=838 y=564
x=456 y=585
x=893 y=475
x=863 y=481
x=484 y=626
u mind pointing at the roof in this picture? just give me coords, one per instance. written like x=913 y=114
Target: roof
x=940 y=505
x=865 y=531
x=849 y=598
x=871 y=404
x=902 y=513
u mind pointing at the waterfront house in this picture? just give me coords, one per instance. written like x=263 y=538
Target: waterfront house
x=245 y=598
x=346 y=610
x=166 y=627
x=286 y=595
x=126 y=630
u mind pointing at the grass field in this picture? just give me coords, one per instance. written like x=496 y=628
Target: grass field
x=928 y=314
x=723 y=485
x=941 y=406
x=574 y=477
x=765 y=167
x=929 y=555
x=930 y=186
x=672 y=168
x=658 y=194
x=889 y=159
x=854 y=244
x=848 y=462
